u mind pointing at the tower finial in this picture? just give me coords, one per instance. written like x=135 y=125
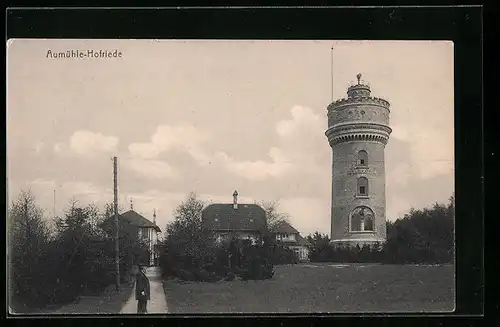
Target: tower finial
x=359 y=78
x=131 y=204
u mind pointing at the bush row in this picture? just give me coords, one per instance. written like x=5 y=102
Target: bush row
x=422 y=236
x=56 y=265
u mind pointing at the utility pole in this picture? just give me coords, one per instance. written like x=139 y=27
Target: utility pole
x=117 y=231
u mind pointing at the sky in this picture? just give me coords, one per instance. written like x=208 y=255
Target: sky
x=212 y=117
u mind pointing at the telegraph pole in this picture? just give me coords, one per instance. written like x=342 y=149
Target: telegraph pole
x=117 y=231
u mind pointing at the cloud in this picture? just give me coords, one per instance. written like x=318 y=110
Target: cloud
x=297 y=137
x=303 y=118
x=430 y=152
x=144 y=157
x=293 y=152
x=257 y=170
x=151 y=168
x=184 y=137
x=87 y=143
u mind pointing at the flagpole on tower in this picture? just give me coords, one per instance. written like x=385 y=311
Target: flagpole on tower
x=331 y=62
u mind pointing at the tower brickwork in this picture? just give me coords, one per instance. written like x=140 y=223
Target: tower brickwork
x=358 y=130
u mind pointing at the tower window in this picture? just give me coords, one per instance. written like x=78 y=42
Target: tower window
x=362 y=219
x=362 y=158
x=362 y=186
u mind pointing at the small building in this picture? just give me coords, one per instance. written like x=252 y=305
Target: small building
x=136 y=225
x=287 y=235
x=228 y=221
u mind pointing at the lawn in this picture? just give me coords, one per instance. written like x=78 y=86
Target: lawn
x=322 y=288
x=109 y=302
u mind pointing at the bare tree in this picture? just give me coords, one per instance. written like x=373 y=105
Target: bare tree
x=273 y=215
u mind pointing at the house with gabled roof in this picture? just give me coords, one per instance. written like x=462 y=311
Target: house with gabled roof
x=136 y=225
x=287 y=235
x=236 y=220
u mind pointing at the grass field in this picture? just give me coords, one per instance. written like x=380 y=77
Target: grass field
x=322 y=288
x=110 y=302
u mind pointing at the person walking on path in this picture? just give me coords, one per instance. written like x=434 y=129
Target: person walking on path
x=142 y=289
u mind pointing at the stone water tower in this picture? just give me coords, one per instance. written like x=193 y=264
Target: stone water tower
x=358 y=132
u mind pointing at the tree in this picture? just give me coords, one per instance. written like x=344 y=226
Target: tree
x=187 y=247
x=28 y=239
x=273 y=216
x=321 y=249
x=422 y=236
x=109 y=210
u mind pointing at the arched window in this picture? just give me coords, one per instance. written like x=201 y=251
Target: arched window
x=362 y=158
x=362 y=219
x=363 y=186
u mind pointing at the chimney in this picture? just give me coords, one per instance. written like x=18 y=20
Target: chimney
x=154 y=216
x=235 y=199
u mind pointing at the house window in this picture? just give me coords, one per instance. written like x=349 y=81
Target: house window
x=363 y=186
x=362 y=219
x=362 y=158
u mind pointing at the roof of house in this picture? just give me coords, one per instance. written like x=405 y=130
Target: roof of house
x=223 y=217
x=284 y=227
x=135 y=219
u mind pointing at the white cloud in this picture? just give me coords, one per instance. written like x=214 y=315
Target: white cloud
x=151 y=168
x=86 y=143
x=431 y=153
x=185 y=137
x=303 y=119
x=297 y=136
x=144 y=150
x=256 y=170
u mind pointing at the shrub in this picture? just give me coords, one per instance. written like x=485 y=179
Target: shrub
x=229 y=276
x=55 y=267
x=281 y=255
x=422 y=236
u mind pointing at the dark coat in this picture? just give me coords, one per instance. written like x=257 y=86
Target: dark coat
x=142 y=284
